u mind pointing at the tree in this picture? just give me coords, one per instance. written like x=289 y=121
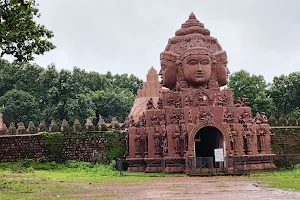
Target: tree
x=285 y=92
x=19 y=105
x=20 y=36
x=113 y=103
x=131 y=82
x=253 y=87
x=81 y=108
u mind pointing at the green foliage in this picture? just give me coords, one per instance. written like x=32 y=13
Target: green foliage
x=20 y=35
x=254 y=87
x=19 y=105
x=116 y=145
x=285 y=92
x=54 y=143
x=68 y=94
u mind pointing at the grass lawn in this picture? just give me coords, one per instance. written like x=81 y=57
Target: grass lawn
x=76 y=180
x=288 y=179
x=36 y=180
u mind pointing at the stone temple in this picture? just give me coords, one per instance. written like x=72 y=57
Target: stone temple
x=195 y=124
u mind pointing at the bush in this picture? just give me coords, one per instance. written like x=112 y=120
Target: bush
x=54 y=143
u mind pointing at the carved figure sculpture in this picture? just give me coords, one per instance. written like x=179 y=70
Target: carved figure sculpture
x=3 y=130
x=162 y=121
x=257 y=119
x=181 y=122
x=157 y=138
x=76 y=126
x=131 y=121
x=137 y=138
x=205 y=116
x=159 y=102
x=245 y=118
x=231 y=141
x=190 y=117
x=263 y=117
x=234 y=133
x=154 y=120
x=222 y=71
x=192 y=51
x=53 y=126
x=261 y=133
x=42 y=126
x=126 y=123
x=186 y=100
x=164 y=139
x=142 y=120
x=12 y=129
x=114 y=123
x=89 y=125
x=21 y=128
x=178 y=103
x=65 y=126
x=184 y=137
x=245 y=101
x=3 y=127
x=145 y=138
x=238 y=102
x=127 y=143
x=31 y=128
x=202 y=100
x=176 y=136
x=171 y=101
x=168 y=69
x=247 y=134
x=150 y=104
x=174 y=118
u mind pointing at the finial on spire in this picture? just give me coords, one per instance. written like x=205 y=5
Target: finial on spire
x=192 y=16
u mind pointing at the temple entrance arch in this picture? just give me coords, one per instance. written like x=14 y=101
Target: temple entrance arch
x=207 y=139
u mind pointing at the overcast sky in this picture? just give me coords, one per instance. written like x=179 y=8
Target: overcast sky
x=127 y=36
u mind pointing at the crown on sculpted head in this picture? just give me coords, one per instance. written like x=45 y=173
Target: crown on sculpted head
x=190 y=58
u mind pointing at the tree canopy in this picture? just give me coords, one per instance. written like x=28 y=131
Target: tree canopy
x=279 y=98
x=20 y=35
x=65 y=94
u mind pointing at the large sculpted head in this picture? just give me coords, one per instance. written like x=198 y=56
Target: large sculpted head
x=168 y=70
x=222 y=71
x=197 y=66
x=193 y=59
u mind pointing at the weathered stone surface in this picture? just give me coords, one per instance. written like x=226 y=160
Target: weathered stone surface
x=194 y=117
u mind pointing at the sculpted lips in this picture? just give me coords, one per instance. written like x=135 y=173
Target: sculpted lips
x=199 y=74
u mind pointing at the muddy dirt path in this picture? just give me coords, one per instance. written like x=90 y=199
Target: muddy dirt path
x=219 y=188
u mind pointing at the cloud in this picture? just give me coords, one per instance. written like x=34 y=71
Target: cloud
x=128 y=36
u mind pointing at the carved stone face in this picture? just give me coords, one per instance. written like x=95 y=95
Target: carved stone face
x=222 y=72
x=197 y=69
x=168 y=73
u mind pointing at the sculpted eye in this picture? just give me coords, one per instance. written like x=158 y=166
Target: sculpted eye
x=204 y=62
x=163 y=67
x=193 y=62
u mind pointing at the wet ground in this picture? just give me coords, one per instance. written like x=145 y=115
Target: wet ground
x=220 y=188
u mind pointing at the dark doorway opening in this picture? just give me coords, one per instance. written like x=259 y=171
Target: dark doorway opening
x=206 y=140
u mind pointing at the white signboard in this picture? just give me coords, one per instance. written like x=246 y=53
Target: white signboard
x=219 y=155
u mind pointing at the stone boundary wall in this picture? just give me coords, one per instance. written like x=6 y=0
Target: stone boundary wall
x=90 y=147
x=20 y=147
x=286 y=140
x=103 y=146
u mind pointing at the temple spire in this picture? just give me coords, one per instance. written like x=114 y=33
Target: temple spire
x=192 y=16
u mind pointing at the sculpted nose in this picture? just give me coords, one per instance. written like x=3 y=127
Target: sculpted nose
x=199 y=67
x=228 y=72
x=160 y=72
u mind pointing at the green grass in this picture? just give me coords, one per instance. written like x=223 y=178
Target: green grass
x=48 y=180
x=287 y=179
